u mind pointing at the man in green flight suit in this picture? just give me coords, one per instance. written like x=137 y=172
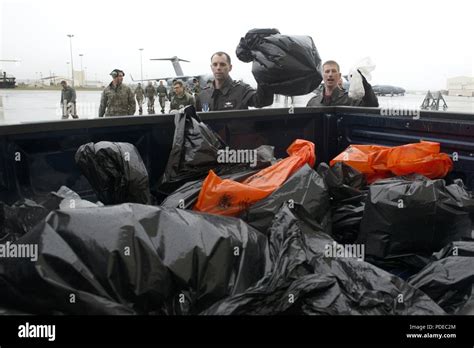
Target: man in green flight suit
x=181 y=98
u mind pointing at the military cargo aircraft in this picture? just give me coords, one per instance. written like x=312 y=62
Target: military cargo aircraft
x=383 y=90
x=187 y=79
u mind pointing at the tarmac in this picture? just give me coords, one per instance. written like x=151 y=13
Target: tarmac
x=26 y=106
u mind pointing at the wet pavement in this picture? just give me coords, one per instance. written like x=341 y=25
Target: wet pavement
x=25 y=106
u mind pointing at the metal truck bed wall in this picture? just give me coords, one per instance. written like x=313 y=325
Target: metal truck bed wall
x=38 y=158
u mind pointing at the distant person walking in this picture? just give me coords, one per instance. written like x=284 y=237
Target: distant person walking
x=162 y=95
x=150 y=93
x=68 y=101
x=117 y=99
x=196 y=87
x=139 y=95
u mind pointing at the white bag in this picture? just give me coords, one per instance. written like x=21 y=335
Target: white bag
x=356 y=88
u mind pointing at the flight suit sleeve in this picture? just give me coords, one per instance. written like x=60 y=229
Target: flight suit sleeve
x=103 y=104
x=132 y=104
x=257 y=98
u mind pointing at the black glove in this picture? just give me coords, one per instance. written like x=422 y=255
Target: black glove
x=369 y=99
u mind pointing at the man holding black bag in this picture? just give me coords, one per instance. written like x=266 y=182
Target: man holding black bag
x=227 y=94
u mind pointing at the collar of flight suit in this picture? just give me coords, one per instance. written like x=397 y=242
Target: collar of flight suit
x=225 y=88
x=336 y=94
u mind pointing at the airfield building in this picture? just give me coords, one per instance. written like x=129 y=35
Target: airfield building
x=461 y=86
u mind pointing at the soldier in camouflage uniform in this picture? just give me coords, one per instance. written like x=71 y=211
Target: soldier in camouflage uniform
x=181 y=98
x=139 y=95
x=162 y=95
x=117 y=99
x=196 y=87
x=150 y=93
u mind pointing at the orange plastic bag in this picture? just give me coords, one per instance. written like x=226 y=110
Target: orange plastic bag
x=228 y=197
x=370 y=160
x=378 y=162
x=422 y=158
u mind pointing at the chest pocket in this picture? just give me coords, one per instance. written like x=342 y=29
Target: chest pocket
x=228 y=104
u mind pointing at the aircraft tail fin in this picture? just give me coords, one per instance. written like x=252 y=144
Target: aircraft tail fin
x=175 y=61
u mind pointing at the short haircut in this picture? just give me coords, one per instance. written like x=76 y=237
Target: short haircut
x=178 y=82
x=63 y=82
x=220 y=53
x=332 y=62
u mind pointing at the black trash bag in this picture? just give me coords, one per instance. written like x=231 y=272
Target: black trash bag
x=403 y=266
x=448 y=281
x=19 y=219
x=462 y=248
x=70 y=199
x=347 y=188
x=115 y=171
x=132 y=259
x=305 y=188
x=342 y=180
x=346 y=216
x=304 y=279
x=195 y=152
x=186 y=196
x=411 y=215
x=24 y=215
x=282 y=64
x=462 y=197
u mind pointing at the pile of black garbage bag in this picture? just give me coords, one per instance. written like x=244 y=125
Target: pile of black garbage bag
x=324 y=242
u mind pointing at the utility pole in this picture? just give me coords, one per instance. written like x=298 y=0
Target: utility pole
x=141 y=62
x=72 y=63
x=82 y=71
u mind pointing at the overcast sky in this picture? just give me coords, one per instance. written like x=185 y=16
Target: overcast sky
x=414 y=44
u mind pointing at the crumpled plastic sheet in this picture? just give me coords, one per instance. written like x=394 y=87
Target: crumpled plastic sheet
x=132 y=259
x=304 y=281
